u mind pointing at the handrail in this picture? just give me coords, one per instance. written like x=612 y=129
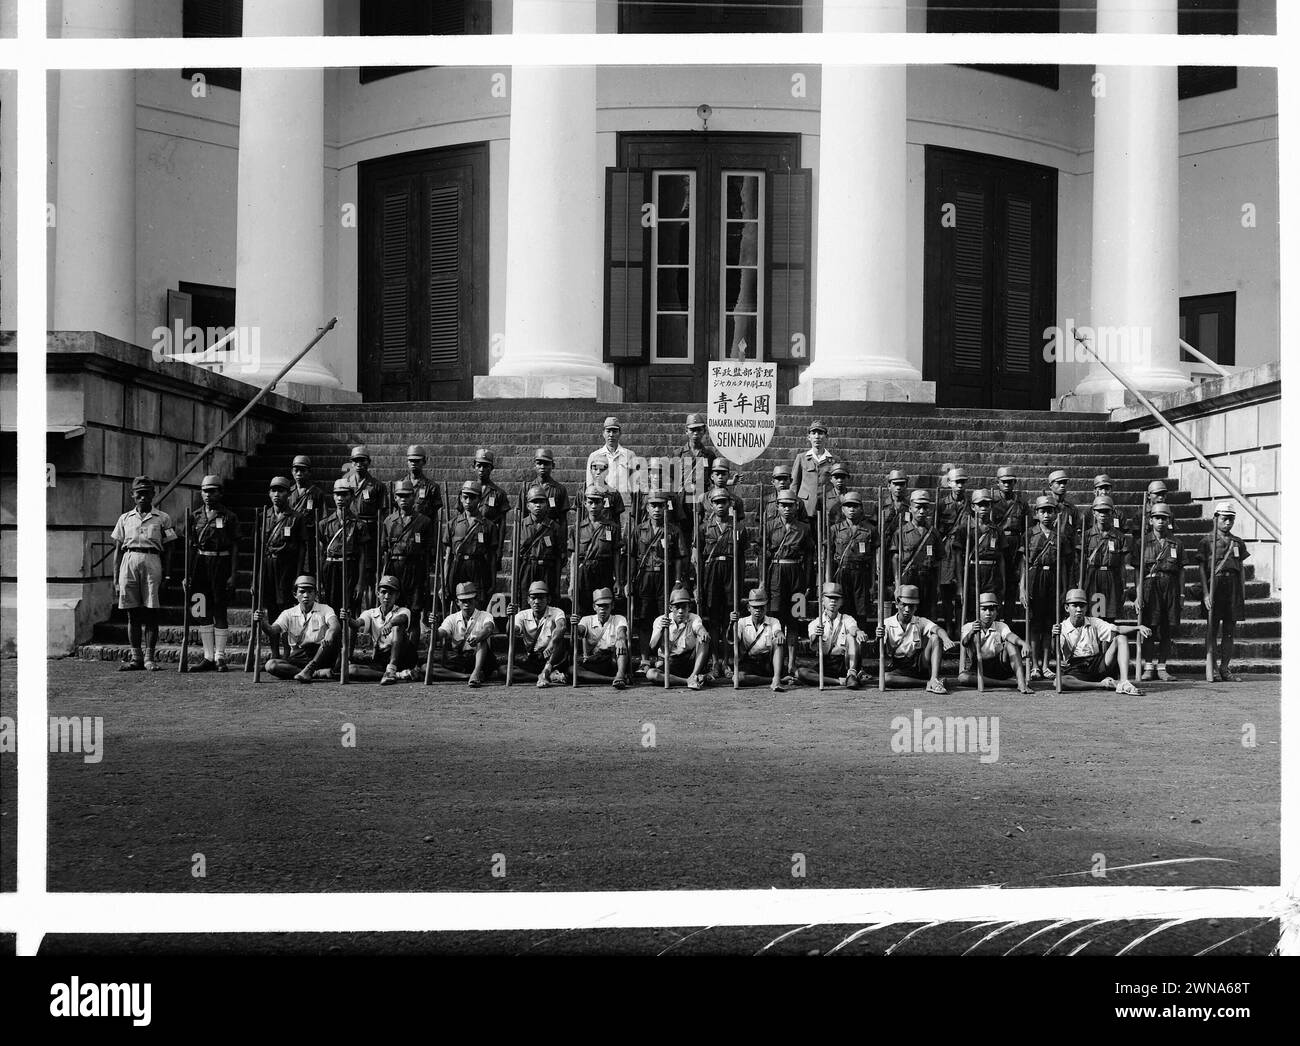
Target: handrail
x=1203 y=358
x=1237 y=493
x=261 y=393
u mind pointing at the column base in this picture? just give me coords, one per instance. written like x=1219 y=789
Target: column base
x=540 y=386
x=861 y=390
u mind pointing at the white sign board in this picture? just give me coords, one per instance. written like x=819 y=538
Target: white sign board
x=742 y=408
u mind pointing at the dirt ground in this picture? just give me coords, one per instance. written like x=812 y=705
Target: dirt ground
x=562 y=789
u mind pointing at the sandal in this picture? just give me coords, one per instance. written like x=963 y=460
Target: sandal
x=1129 y=689
x=474 y=682
x=305 y=676
x=696 y=682
x=131 y=666
x=150 y=666
x=935 y=686
x=620 y=683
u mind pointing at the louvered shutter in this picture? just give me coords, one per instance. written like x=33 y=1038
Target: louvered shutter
x=970 y=279
x=789 y=237
x=445 y=274
x=396 y=207
x=627 y=256
x=1017 y=332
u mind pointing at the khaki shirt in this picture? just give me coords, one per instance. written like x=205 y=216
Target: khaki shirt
x=904 y=642
x=153 y=529
x=310 y=627
x=604 y=637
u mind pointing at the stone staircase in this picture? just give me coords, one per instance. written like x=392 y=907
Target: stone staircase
x=872 y=437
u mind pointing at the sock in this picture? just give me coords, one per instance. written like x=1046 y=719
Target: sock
x=220 y=635
x=205 y=634
x=1227 y=646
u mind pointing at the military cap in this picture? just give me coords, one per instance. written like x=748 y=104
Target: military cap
x=359 y=453
x=1076 y=595
x=1103 y=501
x=1102 y=481
x=787 y=497
x=720 y=465
x=539 y=588
x=612 y=423
x=544 y=454
x=851 y=497
x=782 y=470
x=342 y=486
x=719 y=494
x=1162 y=510
x=957 y=473
x=210 y=482
x=831 y=588
x=142 y=483
x=301 y=461
x=536 y=494
x=695 y=421
x=416 y=451
x=919 y=497
x=817 y=425
x=282 y=482
x=470 y=487
x=1057 y=474
x=390 y=582
x=757 y=595
x=989 y=599
x=1157 y=486
x=840 y=469
x=466 y=590
x=1043 y=501
x=897 y=476
x=980 y=496
x=1225 y=508
x=594 y=493
x=304 y=581
x=602 y=596
x=679 y=596
x=656 y=497
x=483 y=456
x=403 y=486
x=1006 y=472
x=909 y=594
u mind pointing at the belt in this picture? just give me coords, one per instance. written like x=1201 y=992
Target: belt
x=205 y=552
x=141 y=548
x=652 y=570
x=790 y=562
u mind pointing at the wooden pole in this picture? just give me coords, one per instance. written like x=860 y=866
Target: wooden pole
x=1141 y=570
x=737 y=575
x=573 y=582
x=1056 y=574
x=667 y=620
x=187 y=580
x=259 y=558
x=880 y=582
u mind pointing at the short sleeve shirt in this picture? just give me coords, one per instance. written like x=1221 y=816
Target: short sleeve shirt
x=604 y=637
x=992 y=641
x=310 y=627
x=479 y=626
x=904 y=642
x=684 y=638
x=838 y=630
x=1088 y=639
x=620 y=466
x=153 y=529
x=759 y=640
x=374 y=619
x=538 y=633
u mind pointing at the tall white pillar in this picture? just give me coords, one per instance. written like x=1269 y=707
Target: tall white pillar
x=1135 y=213
x=94 y=254
x=860 y=349
x=554 y=283
x=280 y=235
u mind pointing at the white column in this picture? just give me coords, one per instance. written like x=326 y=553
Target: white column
x=860 y=349
x=554 y=283
x=1135 y=213
x=94 y=255
x=280 y=235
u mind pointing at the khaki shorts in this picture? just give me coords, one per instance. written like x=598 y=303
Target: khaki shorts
x=139 y=580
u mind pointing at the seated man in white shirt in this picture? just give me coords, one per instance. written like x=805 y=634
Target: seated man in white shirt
x=603 y=646
x=1094 y=652
x=762 y=644
x=541 y=638
x=836 y=635
x=999 y=649
x=914 y=645
x=312 y=630
x=688 y=644
x=388 y=626
x=465 y=637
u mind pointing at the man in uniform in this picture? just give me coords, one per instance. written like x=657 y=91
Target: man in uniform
x=651 y=574
x=809 y=471
x=791 y=563
x=1058 y=482
x=542 y=646
x=604 y=646
x=311 y=630
x=1157 y=494
x=997 y=647
x=853 y=546
x=543 y=545
x=988 y=555
x=761 y=643
x=714 y=588
x=896 y=504
x=601 y=545
x=308 y=501
x=471 y=543
x=370 y=503
x=722 y=478
x=1105 y=550
x=343 y=525
x=466 y=639
x=557 y=498
x=918 y=542
x=493 y=502
x=781 y=480
x=1094 y=652
x=408 y=542
x=214 y=531
x=1010 y=514
x=141 y=567
x=835 y=635
x=1102 y=487
x=951 y=524
x=611 y=500
x=283 y=532
x=694 y=463
x=618 y=460
x=1162 y=590
x=914 y=645
x=390 y=637
x=688 y=644
x=1222 y=555
x=1038 y=581
x=840 y=485
x=426 y=494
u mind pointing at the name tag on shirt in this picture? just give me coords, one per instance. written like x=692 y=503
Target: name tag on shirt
x=862 y=546
x=492 y=499
x=1112 y=545
x=552 y=500
x=419 y=539
x=546 y=542
x=221 y=523
x=929 y=550
x=288 y=528
x=609 y=534
x=1173 y=551
x=309 y=500
x=480 y=537
x=169 y=534
x=366 y=494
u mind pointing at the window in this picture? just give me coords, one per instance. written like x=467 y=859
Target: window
x=715 y=16
x=1000 y=16
x=743 y=194
x=1209 y=322
x=672 y=269
x=213 y=18
x=1206 y=17
x=421 y=18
